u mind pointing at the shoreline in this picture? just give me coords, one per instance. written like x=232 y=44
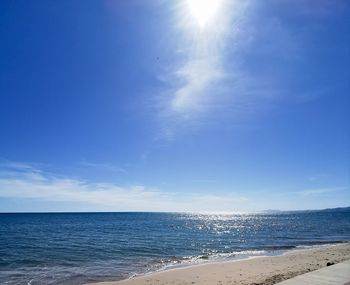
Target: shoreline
x=262 y=270
x=233 y=257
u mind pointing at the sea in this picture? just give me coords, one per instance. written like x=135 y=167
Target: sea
x=78 y=248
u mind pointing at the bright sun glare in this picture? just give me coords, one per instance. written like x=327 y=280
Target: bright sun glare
x=203 y=10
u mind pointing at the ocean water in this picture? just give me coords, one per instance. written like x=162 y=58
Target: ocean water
x=75 y=248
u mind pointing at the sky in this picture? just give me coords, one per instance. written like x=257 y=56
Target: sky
x=187 y=105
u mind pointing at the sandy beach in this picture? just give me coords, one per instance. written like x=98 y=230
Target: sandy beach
x=255 y=271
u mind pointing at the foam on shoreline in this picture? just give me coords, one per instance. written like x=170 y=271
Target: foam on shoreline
x=212 y=258
x=309 y=253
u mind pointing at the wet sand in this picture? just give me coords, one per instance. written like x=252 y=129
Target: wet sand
x=254 y=271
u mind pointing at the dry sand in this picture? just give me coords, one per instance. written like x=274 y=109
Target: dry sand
x=255 y=271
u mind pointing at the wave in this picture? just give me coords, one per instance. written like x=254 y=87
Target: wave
x=213 y=257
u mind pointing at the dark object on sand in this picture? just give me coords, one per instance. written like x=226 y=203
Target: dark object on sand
x=330 y=263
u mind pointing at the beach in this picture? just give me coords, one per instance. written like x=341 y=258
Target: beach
x=258 y=271
x=175 y=248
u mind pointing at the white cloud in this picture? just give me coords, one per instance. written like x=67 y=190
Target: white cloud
x=202 y=48
x=199 y=75
x=36 y=184
x=236 y=68
x=320 y=191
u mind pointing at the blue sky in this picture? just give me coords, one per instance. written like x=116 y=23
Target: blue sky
x=174 y=105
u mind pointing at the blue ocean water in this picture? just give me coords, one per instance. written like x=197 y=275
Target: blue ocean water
x=75 y=248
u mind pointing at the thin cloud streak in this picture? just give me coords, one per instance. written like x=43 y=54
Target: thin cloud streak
x=35 y=184
x=198 y=74
x=320 y=191
x=103 y=166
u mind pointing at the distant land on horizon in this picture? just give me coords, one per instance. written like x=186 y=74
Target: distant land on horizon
x=268 y=211
x=276 y=211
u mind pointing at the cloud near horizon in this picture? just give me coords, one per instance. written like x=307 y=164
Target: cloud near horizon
x=23 y=181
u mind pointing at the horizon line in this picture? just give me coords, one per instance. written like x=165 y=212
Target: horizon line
x=268 y=211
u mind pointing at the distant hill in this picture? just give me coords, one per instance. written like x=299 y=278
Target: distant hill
x=339 y=209
x=272 y=211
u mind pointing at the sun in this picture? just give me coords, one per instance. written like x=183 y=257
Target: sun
x=203 y=11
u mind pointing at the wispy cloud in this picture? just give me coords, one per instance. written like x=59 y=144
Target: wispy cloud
x=202 y=49
x=102 y=166
x=24 y=181
x=213 y=80
x=199 y=74
x=318 y=177
x=236 y=67
x=312 y=192
x=320 y=191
